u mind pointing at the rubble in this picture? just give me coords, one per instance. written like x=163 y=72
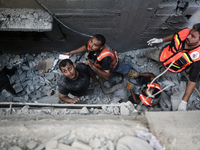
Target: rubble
x=35 y=80
x=25 y=20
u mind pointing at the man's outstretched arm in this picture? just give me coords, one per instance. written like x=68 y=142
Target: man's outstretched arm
x=105 y=74
x=78 y=50
x=66 y=99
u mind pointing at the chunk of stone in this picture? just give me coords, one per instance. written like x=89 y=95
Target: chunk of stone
x=52 y=144
x=49 y=76
x=95 y=143
x=18 y=87
x=84 y=111
x=81 y=145
x=22 y=77
x=16 y=59
x=14 y=79
x=15 y=148
x=65 y=147
x=25 y=110
x=17 y=99
x=127 y=108
x=45 y=64
x=31 y=144
x=167 y=82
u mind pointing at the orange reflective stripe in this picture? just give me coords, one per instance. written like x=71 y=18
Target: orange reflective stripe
x=108 y=52
x=142 y=98
x=154 y=85
x=105 y=54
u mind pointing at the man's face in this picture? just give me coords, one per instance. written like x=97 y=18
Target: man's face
x=70 y=71
x=193 y=38
x=95 y=45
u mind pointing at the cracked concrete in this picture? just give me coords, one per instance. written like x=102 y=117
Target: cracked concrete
x=25 y=20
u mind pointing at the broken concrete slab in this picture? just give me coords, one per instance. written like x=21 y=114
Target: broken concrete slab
x=25 y=20
x=175 y=130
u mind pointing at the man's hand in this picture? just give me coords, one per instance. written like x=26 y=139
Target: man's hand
x=74 y=100
x=69 y=54
x=89 y=63
x=154 y=40
x=182 y=106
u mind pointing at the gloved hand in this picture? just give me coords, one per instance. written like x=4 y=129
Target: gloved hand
x=133 y=74
x=154 y=40
x=182 y=106
x=129 y=86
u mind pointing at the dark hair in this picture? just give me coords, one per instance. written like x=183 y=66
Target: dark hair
x=155 y=91
x=64 y=62
x=101 y=38
x=196 y=27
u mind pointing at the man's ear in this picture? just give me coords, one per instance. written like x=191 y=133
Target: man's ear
x=74 y=65
x=102 y=47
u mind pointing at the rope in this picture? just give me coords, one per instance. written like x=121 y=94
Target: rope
x=142 y=102
x=43 y=6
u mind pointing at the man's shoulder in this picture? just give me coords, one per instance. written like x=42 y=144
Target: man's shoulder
x=81 y=65
x=62 y=79
x=197 y=64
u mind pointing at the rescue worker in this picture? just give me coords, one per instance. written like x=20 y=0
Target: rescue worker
x=184 y=51
x=102 y=59
x=150 y=94
x=75 y=80
x=144 y=79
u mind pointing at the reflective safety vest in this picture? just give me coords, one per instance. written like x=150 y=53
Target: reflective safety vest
x=106 y=52
x=150 y=101
x=173 y=52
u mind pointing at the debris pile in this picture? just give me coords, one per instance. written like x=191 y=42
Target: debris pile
x=25 y=20
x=35 y=80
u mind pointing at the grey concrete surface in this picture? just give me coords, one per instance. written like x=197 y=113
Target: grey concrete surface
x=48 y=132
x=25 y=20
x=176 y=130
x=127 y=25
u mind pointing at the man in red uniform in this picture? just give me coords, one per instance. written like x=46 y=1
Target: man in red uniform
x=184 y=52
x=103 y=59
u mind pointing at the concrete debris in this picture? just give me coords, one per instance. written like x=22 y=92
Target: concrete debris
x=25 y=20
x=36 y=78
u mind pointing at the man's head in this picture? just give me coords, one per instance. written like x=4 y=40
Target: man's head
x=97 y=42
x=152 y=91
x=193 y=38
x=68 y=68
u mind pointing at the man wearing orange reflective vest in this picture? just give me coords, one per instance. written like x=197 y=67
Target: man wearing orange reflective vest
x=184 y=52
x=150 y=95
x=103 y=59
